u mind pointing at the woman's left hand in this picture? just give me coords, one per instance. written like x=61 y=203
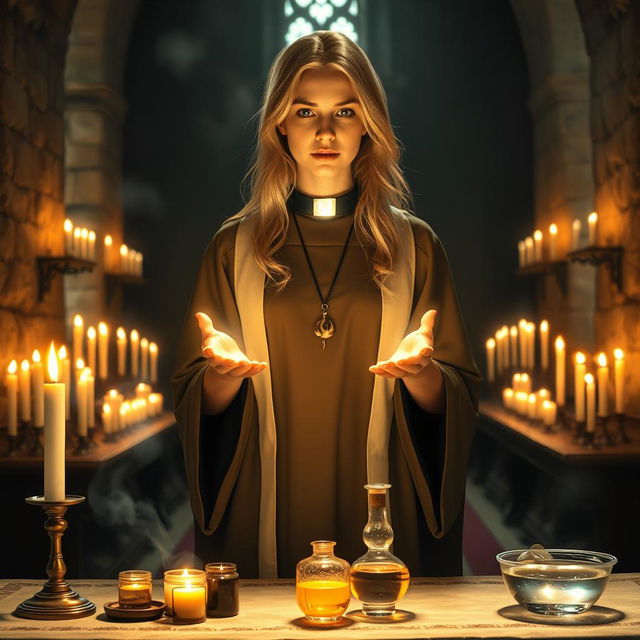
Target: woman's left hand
x=413 y=355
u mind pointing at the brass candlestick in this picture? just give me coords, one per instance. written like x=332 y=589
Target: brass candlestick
x=56 y=600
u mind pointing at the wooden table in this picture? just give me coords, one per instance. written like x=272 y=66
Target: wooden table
x=469 y=607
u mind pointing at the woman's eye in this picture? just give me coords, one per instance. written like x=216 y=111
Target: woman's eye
x=350 y=113
x=300 y=110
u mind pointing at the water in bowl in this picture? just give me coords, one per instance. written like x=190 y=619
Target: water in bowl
x=555 y=588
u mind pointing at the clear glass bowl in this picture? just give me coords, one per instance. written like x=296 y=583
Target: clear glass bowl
x=571 y=582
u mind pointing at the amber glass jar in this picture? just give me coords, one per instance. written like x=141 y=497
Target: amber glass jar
x=222 y=590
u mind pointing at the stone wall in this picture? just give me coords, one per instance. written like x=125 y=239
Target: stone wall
x=33 y=45
x=612 y=31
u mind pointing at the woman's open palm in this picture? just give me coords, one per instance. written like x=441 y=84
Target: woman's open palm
x=223 y=352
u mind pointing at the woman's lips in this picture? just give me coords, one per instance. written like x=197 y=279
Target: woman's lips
x=326 y=156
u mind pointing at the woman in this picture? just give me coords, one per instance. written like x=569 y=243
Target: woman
x=304 y=367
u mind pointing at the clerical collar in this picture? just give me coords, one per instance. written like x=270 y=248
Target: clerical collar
x=323 y=208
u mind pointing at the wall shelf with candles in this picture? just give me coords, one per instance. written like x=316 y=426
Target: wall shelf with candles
x=48 y=266
x=557 y=267
x=611 y=257
x=114 y=280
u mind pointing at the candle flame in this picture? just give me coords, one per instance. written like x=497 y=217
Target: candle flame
x=528 y=241
x=92 y=235
x=546 y=404
x=108 y=241
x=144 y=343
x=544 y=326
x=593 y=217
x=544 y=393
x=24 y=365
x=532 y=398
x=106 y=408
x=91 y=333
x=524 y=377
x=537 y=235
x=517 y=376
x=68 y=225
x=77 y=320
x=87 y=371
x=576 y=224
x=113 y=393
x=553 y=229
x=35 y=356
x=588 y=378
x=185 y=573
x=76 y=232
x=83 y=376
x=79 y=363
x=580 y=358
x=124 y=250
x=508 y=392
x=602 y=360
x=52 y=363
x=122 y=334
x=85 y=232
x=522 y=323
x=134 y=334
x=559 y=342
x=514 y=330
x=153 y=347
x=618 y=354
x=102 y=329
x=13 y=367
x=531 y=327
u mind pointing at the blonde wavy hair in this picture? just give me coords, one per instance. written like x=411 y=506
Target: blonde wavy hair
x=375 y=168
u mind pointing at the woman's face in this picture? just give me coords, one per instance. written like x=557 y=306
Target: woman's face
x=324 y=116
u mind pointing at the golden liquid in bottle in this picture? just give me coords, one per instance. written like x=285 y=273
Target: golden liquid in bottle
x=379 y=583
x=323 y=599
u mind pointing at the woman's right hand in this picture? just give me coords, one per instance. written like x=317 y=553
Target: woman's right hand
x=222 y=352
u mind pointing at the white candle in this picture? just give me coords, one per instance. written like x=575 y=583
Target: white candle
x=580 y=369
x=144 y=359
x=603 y=385
x=505 y=347
x=77 y=241
x=79 y=368
x=108 y=254
x=91 y=397
x=92 y=245
x=522 y=337
x=65 y=377
x=84 y=238
x=522 y=255
x=135 y=342
x=560 y=371
x=549 y=412
x=81 y=403
x=91 y=348
x=537 y=245
x=121 y=340
x=491 y=352
x=618 y=354
x=103 y=350
x=37 y=380
x=529 y=250
x=521 y=402
x=513 y=336
x=531 y=347
x=576 y=228
x=12 y=398
x=553 y=242
x=68 y=237
x=107 y=417
x=525 y=381
x=593 y=224
x=124 y=258
x=25 y=390
x=78 y=335
x=591 y=402
x=532 y=406
x=516 y=382
x=54 y=432
x=189 y=602
x=544 y=344
x=542 y=395
x=507 y=398
x=153 y=355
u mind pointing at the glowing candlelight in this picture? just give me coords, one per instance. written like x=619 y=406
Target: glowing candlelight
x=591 y=402
x=121 y=341
x=153 y=355
x=107 y=417
x=544 y=344
x=108 y=254
x=91 y=397
x=553 y=242
x=25 y=390
x=532 y=406
x=12 y=398
x=580 y=369
x=78 y=335
x=54 y=432
x=124 y=258
x=560 y=371
x=81 y=403
x=531 y=349
x=491 y=352
x=593 y=224
x=91 y=348
x=603 y=385
x=618 y=354
x=144 y=359
x=576 y=228
x=37 y=379
x=68 y=237
x=65 y=377
x=103 y=350
x=507 y=397
x=92 y=245
x=135 y=354
x=84 y=243
x=529 y=250
x=77 y=241
x=522 y=338
x=537 y=245
x=513 y=337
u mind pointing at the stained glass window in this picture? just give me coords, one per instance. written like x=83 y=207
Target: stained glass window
x=305 y=16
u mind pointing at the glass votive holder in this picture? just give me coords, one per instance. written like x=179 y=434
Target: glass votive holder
x=134 y=589
x=185 y=595
x=222 y=589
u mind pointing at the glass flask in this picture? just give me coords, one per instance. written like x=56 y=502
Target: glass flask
x=378 y=578
x=322 y=584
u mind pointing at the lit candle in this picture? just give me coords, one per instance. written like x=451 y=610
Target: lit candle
x=516 y=381
x=549 y=412
x=103 y=350
x=91 y=397
x=79 y=368
x=65 y=377
x=560 y=371
x=108 y=254
x=537 y=245
x=513 y=336
x=144 y=359
x=532 y=406
x=553 y=242
x=529 y=250
x=135 y=342
x=522 y=398
x=576 y=228
x=498 y=351
x=542 y=395
x=522 y=256
x=91 y=348
x=124 y=258
x=505 y=347
x=84 y=238
x=593 y=224
x=580 y=369
x=92 y=245
x=81 y=403
x=78 y=335
x=618 y=354
x=54 y=432
x=591 y=402
x=12 y=398
x=544 y=344
x=507 y=398
x=37 y=379
x=132 y=260
x=531 y=349
x=121 y=340
x=68 y=237
x=522 y=337
x=139 y=264
x=603 y=385
x=491 y=352
x=189 y=602
x=525 y=381
x=107 y=418
x=153 y=355
x=77 y=241
x=25 y=390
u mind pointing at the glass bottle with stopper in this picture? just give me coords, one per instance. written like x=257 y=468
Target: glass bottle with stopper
x=322 y=584
x=378 y=579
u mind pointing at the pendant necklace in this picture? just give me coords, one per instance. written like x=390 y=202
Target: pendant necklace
x=324 y=327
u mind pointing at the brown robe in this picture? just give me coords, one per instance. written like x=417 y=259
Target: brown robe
x=322 y=403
